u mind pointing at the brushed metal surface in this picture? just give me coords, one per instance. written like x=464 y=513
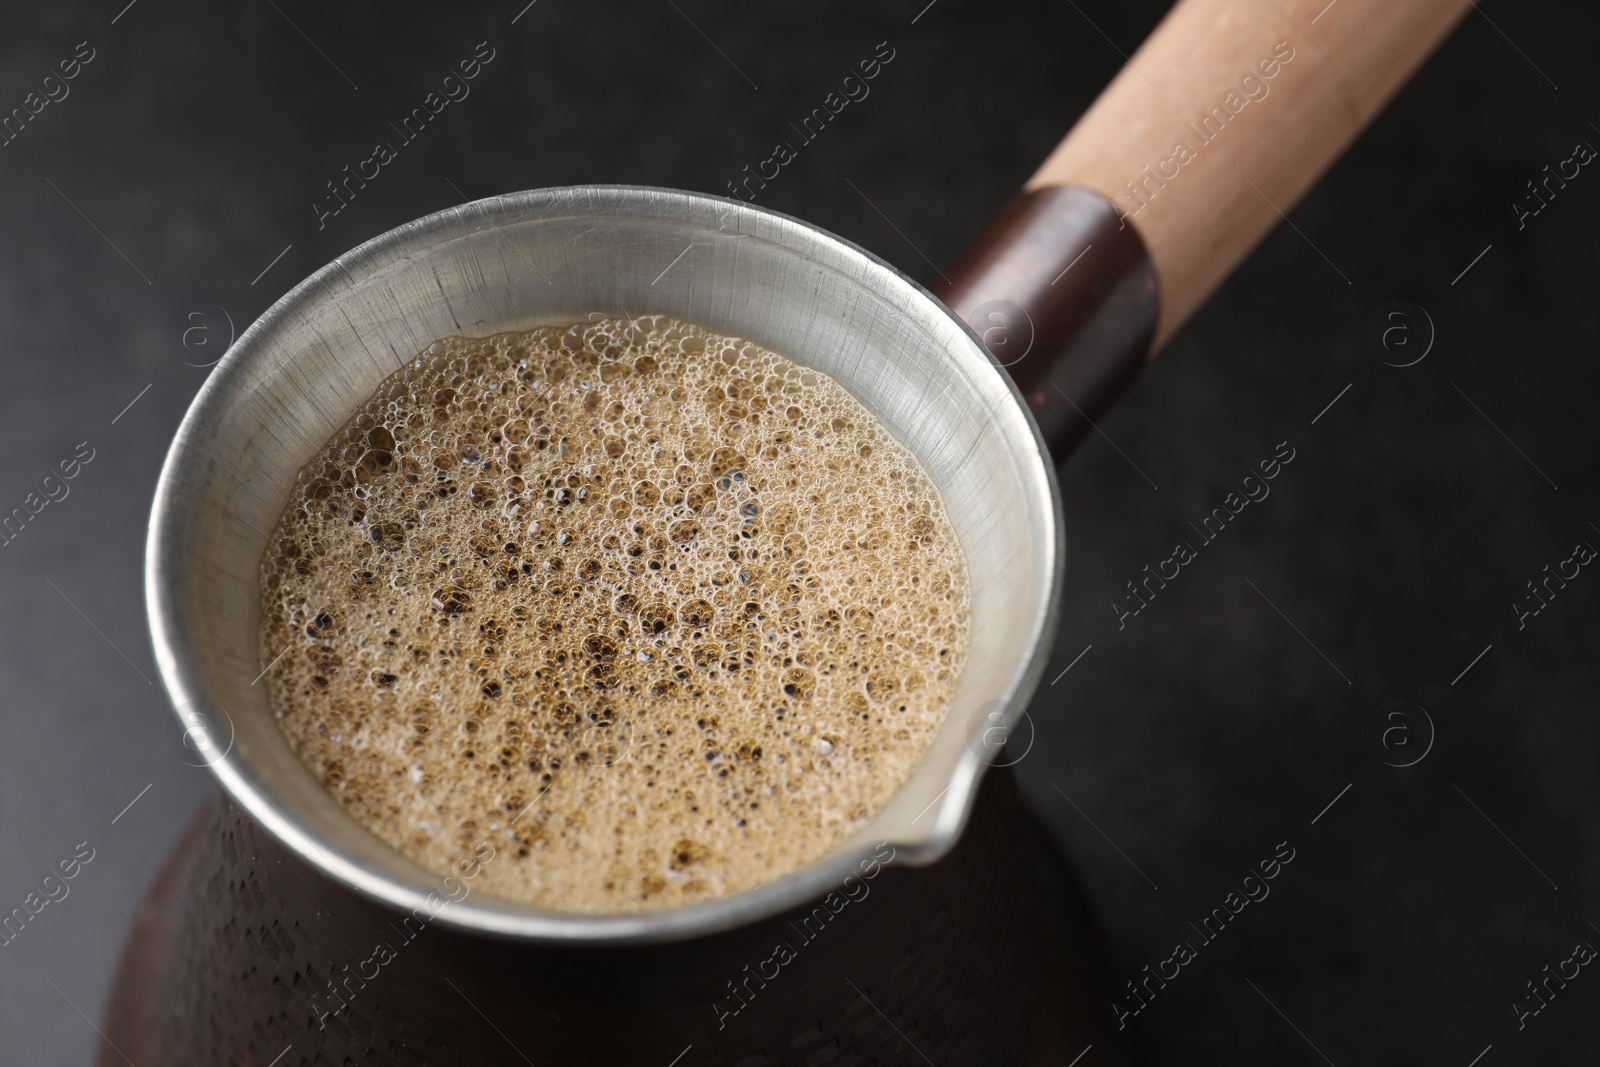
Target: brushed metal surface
x=558 y=256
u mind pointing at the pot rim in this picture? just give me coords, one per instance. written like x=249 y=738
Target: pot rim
x=186 y=687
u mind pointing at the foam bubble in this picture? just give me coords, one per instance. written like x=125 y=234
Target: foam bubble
x=660 y=613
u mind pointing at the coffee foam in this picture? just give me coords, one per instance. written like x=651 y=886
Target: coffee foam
x=660 y=614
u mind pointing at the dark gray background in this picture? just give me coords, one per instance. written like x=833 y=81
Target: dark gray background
x=1196 y=739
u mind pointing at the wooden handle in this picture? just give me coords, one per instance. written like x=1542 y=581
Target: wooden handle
x=1226 y=116
x=1200 y=145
